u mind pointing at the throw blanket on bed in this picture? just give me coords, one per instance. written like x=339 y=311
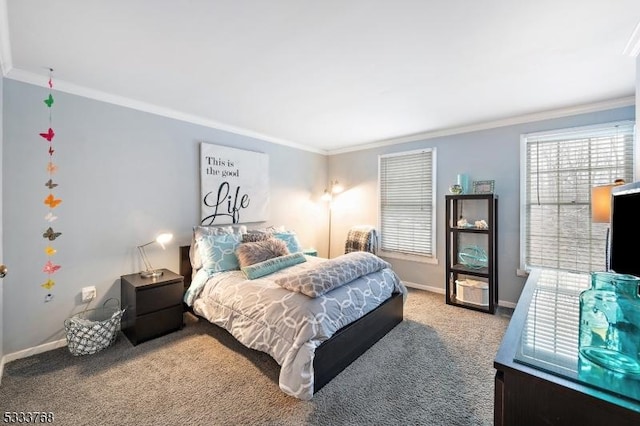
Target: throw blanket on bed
x=361 y=238
x=332 y=273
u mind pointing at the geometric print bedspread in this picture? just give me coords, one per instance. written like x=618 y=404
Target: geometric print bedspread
x=287 y=325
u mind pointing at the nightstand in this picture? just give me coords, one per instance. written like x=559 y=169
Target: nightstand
x=310 y=252
x=153 y=305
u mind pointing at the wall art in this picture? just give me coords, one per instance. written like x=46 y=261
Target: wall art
x=234 y=185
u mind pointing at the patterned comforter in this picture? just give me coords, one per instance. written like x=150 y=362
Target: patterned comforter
x=288 y=325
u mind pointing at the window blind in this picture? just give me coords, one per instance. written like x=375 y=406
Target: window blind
x=561 y=168
x=407 y=202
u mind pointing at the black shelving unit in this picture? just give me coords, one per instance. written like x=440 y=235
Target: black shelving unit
x=485 y=207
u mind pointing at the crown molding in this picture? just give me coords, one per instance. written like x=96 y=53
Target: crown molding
x=633 y=45
x=66 y=87
x=6 y=63
x=521 y=119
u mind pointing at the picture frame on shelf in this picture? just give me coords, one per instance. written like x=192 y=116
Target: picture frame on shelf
x=483 y=186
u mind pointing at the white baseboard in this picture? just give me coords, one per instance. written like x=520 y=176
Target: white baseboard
x=440 y=290
x=34 y=350
x=424 y=287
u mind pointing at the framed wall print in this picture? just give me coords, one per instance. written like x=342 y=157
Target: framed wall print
x=483 y=186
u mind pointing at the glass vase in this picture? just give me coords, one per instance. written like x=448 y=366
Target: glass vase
x=610 y=322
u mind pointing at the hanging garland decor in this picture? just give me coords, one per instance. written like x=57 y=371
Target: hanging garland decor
x=50 y=268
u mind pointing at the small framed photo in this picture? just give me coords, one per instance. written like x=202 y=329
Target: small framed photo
x=483 y=186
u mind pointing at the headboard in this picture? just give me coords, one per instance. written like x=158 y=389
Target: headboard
x=185 y=265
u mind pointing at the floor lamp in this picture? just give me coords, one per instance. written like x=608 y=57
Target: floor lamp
x=601 y=209
x=334 y=188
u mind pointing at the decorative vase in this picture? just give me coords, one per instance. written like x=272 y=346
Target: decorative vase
x=463 y=182
x=455 y=189
x=610 y=322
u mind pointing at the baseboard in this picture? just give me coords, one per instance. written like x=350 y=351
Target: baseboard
x=34 y=350
x=423 y=287
x=439 y=290
x=1 y=368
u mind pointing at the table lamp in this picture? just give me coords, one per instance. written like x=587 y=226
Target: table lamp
x=161 y=239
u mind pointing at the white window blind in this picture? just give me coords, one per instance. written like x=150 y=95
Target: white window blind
x=407 y=202
x=561 y=168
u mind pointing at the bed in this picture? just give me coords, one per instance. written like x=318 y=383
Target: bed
x=334 y=330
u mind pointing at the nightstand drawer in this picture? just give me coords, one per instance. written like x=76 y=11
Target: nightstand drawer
x=158 y=297
x=155 y=324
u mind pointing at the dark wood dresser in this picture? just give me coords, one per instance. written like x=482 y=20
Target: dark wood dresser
x=153 y=305
x=541 y=379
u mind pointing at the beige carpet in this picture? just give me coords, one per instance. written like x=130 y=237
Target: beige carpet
x=435 y=368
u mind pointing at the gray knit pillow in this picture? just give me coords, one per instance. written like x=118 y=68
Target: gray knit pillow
x=250 y=253
x=252 y=237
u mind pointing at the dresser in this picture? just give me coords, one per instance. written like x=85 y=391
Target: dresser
x=540 y=379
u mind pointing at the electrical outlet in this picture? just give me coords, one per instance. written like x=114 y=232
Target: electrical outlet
x=88 y=293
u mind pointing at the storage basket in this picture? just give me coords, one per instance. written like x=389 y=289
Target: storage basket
x=472 y=291
x=92 y=330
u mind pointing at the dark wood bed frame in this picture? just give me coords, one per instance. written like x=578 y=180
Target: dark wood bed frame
x=348 y=343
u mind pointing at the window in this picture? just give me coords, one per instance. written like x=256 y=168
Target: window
x=560 y=169
x=407 y=203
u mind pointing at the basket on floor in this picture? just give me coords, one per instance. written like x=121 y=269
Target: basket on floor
x=92 y=330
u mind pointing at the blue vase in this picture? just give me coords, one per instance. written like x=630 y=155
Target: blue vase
x=463 y=181
x=610 y=322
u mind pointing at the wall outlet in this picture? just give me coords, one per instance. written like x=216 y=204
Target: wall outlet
x=88 y=293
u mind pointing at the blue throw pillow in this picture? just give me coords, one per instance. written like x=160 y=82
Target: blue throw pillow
x=218 y=252
x=269 y=266
x=291 y=239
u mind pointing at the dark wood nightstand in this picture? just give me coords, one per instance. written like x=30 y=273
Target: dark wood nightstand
x=153 y=305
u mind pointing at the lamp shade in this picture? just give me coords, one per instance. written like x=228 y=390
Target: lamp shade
x=601 y=203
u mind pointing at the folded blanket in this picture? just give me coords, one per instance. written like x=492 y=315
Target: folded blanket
x=332 y=273
x=361 y=238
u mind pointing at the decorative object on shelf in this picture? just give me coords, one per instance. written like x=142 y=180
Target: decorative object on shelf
x=333 y=189
x=474 y=257
x=483 y=186
x=161 y=239
x=481 y=224
x=601 y=210
x=610 y=322
x=463 y=182
x=472 y=291
x=455 y=189
x=50 y=200
x=462 y=223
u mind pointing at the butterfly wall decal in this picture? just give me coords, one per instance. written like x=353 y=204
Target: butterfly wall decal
x=51 y=150
x=48 y=298
x=48 y=135
x=51 y=234
x=50 y=251
x=50 y=268
x=52 y=168
x=49 y=184
x=48 y=284
x=49 y=217
x=49 y=100
x=52 y=202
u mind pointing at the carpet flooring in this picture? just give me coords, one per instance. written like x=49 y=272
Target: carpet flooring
x=435 y=368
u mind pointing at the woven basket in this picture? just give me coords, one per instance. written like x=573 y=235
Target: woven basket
x=92 y=330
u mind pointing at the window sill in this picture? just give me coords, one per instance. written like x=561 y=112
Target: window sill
x=408 y=257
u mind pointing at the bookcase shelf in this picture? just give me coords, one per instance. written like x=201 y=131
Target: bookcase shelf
x=485 y=207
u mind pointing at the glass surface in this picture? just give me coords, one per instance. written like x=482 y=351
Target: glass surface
x=551 y=334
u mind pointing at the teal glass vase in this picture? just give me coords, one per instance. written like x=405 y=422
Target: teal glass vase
x=610 y=322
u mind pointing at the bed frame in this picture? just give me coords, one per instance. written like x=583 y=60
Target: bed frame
x=348 y=343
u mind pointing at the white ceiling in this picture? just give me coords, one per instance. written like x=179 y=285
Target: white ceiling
x=334 y=74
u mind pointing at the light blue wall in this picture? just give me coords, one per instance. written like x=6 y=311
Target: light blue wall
x=123 y=175
x=488 y=154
